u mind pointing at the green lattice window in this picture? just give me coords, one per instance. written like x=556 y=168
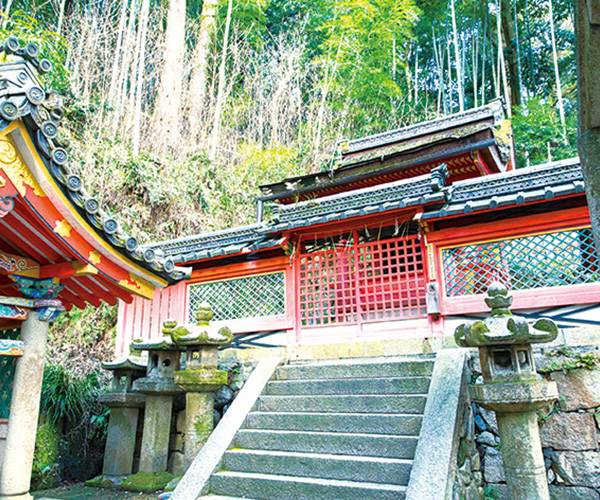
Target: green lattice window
x=251 y=297
x=540 y=261
x=7 y=374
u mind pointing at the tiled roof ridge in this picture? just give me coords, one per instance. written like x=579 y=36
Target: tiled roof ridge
x=419 y=189
x=536 y=183
x=492 y=109
x=517 y=187
x=211 y=239
x=22 y=96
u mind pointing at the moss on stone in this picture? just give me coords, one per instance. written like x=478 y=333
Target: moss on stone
x=173 y=483
x=100 y=482
x=145 y=482
x=462 y=452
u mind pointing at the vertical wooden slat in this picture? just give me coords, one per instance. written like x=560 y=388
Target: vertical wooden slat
x=145 y=320
x=120 y=337
x=178 y=305
x=137 y=318
x=165 y=299
x=155 y=319
x=129 y=313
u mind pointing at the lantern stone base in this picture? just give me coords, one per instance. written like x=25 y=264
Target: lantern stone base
x=120 y=441
x=199 y=386
x=157 y=429
x=515 y=405
x=516 y=396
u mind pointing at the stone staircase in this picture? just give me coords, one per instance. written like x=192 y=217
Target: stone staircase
x=329 y=430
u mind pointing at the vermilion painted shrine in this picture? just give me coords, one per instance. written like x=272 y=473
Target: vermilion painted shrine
x=399 y=240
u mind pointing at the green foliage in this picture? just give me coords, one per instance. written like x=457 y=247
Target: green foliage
x=145 y=482
x=360 y=59
x=45 y=470
x=69 y=401
x=552 y=409
x=52 y=46
x=490 y=493
x=536 y=126
x=572 y=361
x=69 y=396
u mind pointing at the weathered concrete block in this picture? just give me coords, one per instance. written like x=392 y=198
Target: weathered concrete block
x=572 y=493
x=180 y=421
x=176 y=442
x=578 y=468
x=493 y=469
x=486 y=438
x=569 y=431
x=489 y=417
x=500 y=490
x=579 y=389
x=120 y=442
x=176 y=463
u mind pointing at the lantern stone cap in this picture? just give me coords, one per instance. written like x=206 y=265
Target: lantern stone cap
x=502 y=327
x=164 y=343
x=200 y=334
x=129 y=362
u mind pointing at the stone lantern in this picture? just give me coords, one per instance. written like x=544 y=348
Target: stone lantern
x=201 y=377
x=124 y=407
x=512 y=388
x=159 y=387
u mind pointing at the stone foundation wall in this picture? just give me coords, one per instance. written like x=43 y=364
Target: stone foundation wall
x=468 y=483
x=569 y=429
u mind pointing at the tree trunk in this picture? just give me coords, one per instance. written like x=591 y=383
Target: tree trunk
x=459 y=76
x=561 y=109
x=221 y=89
x=198 y=79
x=509 y=32
x=501 y=62
x=7 y=13
x=140 y=76
x=167 y=113
x=115 y=69
x=121 y=87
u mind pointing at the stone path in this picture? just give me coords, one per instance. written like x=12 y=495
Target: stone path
x=80 y=492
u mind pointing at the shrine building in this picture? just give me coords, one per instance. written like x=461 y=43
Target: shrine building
x=399 y=241
x=58 y=249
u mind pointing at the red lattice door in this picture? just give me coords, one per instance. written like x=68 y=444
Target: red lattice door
x=391 y=279
x=373 y=281
x=327 y=290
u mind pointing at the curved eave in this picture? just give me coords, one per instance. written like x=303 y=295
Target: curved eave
x=57 y=213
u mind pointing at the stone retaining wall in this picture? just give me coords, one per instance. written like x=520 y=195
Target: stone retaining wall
x=569 y=429
x=468 y=483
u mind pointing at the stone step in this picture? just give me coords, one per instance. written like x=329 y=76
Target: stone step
x=390 y=385
x=356 y=369
x=221 y=497
x=269 y=487
x=406 y=403
x=381 y=423
x=340 y=443
x=323 y=466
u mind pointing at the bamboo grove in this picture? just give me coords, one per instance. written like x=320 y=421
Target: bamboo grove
x=175 y=105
